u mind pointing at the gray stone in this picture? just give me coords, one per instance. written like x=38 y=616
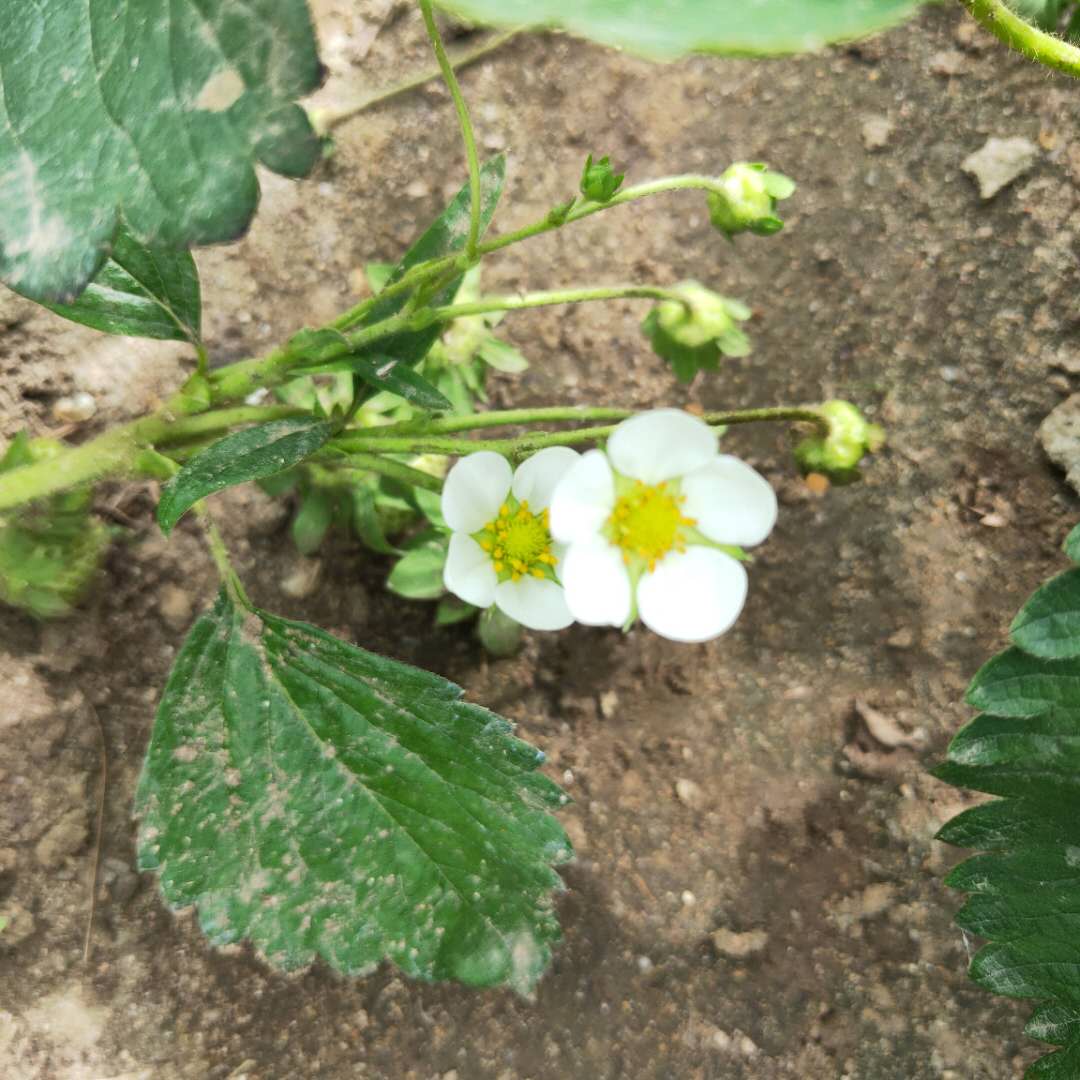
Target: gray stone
x=999 y=163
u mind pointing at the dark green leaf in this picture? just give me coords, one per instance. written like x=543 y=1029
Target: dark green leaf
x=158 y=111
x=1048 y=625
x=1015 y=684
x=312 y=521
x=676 y=27
x=1024 y=891
x=324 y=802
x=418 y=574
x=245 y=455
x=1005 y=824
x=142 y=291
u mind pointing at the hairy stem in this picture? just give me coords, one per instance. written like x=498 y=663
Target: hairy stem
x=396 y=470
x=466 y=126
x=1046 y=49
x=551 y=296
x=377 y=439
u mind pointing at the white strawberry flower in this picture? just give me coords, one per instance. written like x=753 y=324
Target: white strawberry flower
x=646 y=522
x=501 y=551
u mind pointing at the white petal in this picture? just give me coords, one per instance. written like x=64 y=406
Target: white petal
x=596 y=583
x=731 y=502
x=539 y=605
x=661 y=445
x=536 y=478
x=474 y=490
x=583 y=499
x=692 y=595
x=468 y=572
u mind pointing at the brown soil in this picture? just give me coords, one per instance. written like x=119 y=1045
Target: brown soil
x=757 y=893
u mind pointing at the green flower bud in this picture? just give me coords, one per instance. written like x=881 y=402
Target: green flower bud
x=838 y=454
x=692 y=331
x=499 y=634
x=598 y=180
x=745 y=199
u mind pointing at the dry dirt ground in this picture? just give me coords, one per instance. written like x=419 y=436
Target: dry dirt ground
x=757 y=893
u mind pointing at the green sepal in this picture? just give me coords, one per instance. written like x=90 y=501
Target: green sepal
x=599 y=181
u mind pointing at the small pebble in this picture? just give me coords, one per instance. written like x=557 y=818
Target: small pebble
x=688 y=792
x=75 y=409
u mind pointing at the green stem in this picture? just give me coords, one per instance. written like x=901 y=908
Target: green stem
x=203 y=365
x=466 y=127
x=114 y=452
x=551 y=296
x=396 y=470
x=220 y=554
x=1046 y=49
x=325 y=120
x=587 y=209
x=376 y=439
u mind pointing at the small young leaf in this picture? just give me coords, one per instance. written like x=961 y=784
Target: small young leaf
x=1056 y=1024
x=383 y=373
x=418 y=574
x=451 y=611
x=366 y=521
x=141 y=291
x=312 y=521
x=245 y=455
x=157 y=111
x=324 y=802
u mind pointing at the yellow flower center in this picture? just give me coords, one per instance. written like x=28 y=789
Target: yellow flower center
x=518 y=542
x=648 y=522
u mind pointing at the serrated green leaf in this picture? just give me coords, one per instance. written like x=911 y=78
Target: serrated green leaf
x=324 y=802
x=1056 y=1024
x=141 y=291
x=1061 y=1065
x=665 y=31
x=244 y=455
x=158 y=111
x=1016 y=684
x=418 y=574
x=1048 y=625
x=1024 y=891
x=1010 y=823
